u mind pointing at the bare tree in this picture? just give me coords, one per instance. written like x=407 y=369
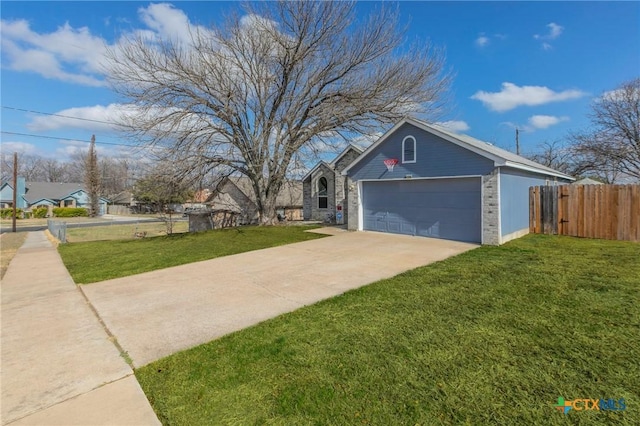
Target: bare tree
x=163 y=190
x=555 y=155
x=92 y=178
x=612 y=148
x=116 y=175
x=30 y=167
x=268 y=89
x=53 y=170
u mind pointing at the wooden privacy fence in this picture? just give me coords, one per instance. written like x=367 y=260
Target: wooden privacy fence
x=610 y=212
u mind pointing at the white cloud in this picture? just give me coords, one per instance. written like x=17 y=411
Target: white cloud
x=19 y=147
x=167 y=21
x=555 y=31
x=94 y=118
x=545 y=121
x=482 y=41
x=454 y=125
x=512 y=96
x=66 y=149
x=76 y=55
x=620 y=95
x=66 y=54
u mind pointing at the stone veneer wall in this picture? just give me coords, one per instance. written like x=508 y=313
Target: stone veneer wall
x=341 y=192
x=352 y=208
x=306 y=200
x=317 y=213
x=490 y=209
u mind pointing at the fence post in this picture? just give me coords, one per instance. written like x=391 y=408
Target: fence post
x=532 y=210
x=58 y=229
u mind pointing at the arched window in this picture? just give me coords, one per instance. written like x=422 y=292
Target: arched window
x=323 y=199
x=409 y=149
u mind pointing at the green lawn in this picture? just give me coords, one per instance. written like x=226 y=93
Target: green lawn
x=94 y=261
x=9 y=244
x=123 y=232
x=493 y=336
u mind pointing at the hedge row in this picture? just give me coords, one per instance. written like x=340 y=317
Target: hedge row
x=8 y=213
x=41 y=213
x=70 y=212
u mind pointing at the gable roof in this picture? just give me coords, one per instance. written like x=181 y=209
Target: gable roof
x=345 y=151
x=290 y=194
x=499 y=156
x=316 y=167
x=333 y=162
x=587 y=181
x=50 y=190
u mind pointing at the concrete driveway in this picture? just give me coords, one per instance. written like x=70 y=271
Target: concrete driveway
x=158 y=313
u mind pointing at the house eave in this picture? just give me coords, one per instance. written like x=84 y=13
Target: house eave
x=344 y=152
x=527 y=168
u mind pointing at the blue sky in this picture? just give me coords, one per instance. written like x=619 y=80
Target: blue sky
x=532 y=65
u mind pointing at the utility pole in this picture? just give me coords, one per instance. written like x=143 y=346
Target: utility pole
x=517 y=141
x=15 y=190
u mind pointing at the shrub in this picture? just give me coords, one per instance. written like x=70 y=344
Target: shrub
x=70 y=212
x=8 y=213
x=40 y=212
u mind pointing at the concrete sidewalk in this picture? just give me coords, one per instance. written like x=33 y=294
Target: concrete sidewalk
x=159 y=313
x=59 y=365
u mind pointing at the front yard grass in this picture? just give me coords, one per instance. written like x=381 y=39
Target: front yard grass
x=10 y=242
x=492 y=336
x=94 y=261
x=123 y=232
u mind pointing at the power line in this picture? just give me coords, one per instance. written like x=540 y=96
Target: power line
x=61 y=115
x=64 y=139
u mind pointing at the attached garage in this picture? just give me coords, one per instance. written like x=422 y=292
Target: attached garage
x=423 y=180
x=440 y=208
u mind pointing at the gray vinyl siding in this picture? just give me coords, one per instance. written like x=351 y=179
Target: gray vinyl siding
x=434 y=157
x=514 y=199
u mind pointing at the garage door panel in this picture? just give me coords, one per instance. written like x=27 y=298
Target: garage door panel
x=442 y=208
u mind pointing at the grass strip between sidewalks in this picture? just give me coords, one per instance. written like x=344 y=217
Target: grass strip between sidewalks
x=10 y=242
x=492 y=336
x=95 y=261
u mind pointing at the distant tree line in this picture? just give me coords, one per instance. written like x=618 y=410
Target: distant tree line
x=115 y=174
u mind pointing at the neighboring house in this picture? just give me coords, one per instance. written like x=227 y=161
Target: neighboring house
x=587 y=181
x=6 y=195
x=444 y=185
x=50 y=195
x=324 y=188
x=123 y=203
x=235 y=194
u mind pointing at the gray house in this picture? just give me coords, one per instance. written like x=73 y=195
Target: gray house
x=444 y=185
x=235 y=194
x=324 y=186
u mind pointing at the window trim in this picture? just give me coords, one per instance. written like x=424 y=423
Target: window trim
x=326 y=196
x=414 y=149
